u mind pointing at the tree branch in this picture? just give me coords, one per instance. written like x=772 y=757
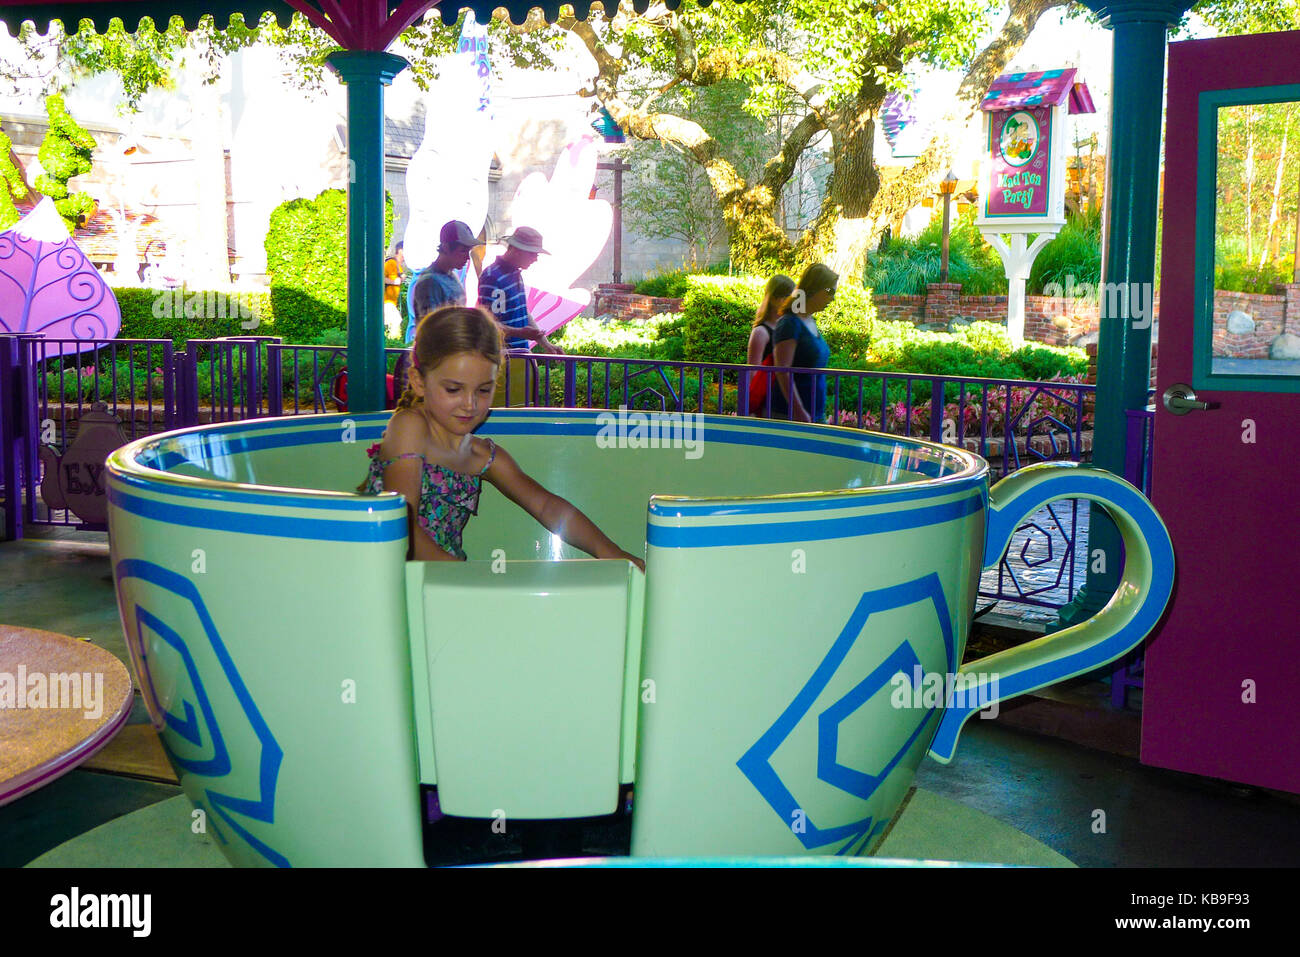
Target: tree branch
x=720 y=64
x=778 y=170
x=914 y=183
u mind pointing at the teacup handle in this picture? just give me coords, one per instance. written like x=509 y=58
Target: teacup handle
x=1128 y=617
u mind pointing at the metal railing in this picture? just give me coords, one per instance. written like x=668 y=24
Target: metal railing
x=155 y=387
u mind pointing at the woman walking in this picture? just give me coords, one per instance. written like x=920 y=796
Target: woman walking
x=797 y=342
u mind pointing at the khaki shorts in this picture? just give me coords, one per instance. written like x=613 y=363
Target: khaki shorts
x=519 y=369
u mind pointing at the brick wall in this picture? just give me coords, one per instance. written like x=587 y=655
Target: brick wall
x=1051 y=320
x=1269 y=313
x=618 y=300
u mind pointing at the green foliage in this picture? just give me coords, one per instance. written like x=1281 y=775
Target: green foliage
x=673 y=284
x=11 y=184
x=1076 y=251
x=718 y=313
x=981 y=350
x=153 y=314
x=1231 y=17
x=906 y=266
x=625 y=340
x=1233 y=274
x=848 y=324
x=1256 y=191
x=667 y=194
x=65 y=152
x=306 y=261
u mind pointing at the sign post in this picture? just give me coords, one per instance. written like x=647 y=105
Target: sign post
x=1022 y=175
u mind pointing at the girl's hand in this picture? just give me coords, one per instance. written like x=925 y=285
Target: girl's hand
x=638 y=562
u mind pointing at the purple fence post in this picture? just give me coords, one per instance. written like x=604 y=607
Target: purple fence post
x=936 y=410
x=275 y=378
x=187 y=386
x=11 y=409
x=1135 y=446
x=570 y=383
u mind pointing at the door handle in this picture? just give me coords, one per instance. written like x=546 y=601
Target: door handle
x=1180 y=399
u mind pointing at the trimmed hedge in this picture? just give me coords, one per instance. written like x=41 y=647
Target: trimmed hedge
x=306 y=261
x=181 y=314
x=717 y=315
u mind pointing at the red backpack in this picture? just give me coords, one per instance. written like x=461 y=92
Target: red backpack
x=760 y=382
x=758 y=386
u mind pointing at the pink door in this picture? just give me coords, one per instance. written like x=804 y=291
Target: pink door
x=1222 y=686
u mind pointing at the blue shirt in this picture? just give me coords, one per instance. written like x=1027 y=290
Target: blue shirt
x=810 y=351
x=501 y=292
x=432 y=290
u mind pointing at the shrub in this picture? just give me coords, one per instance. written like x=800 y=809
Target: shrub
x=66 y=151
x=182 y=314
x=630 y=340
x=673 y=284
x=306 y=260
x=718 y=313
x=848 y=323
x=1233 y=273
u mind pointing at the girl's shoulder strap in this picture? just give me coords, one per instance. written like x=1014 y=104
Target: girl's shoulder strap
x=492 y=454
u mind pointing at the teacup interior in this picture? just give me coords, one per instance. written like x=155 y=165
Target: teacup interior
x=610 y=475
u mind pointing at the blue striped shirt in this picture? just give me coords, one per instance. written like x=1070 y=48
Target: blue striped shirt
x=501 y=292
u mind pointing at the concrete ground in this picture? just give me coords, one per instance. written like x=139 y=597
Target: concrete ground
x=1097 y=806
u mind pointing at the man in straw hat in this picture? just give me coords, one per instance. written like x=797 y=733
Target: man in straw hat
x=502 y=293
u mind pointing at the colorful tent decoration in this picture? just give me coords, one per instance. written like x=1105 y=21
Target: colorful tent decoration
x=48 y=287
x=906 y=133
x=1013 y=91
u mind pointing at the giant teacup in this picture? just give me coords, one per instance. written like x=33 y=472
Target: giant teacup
x=768 y=684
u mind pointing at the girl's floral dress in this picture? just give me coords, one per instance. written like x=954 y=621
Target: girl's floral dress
x=447 y=498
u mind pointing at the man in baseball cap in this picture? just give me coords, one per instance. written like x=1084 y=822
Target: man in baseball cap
x=438 y=286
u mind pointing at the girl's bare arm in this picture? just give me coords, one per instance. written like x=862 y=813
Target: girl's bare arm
x=554 y=513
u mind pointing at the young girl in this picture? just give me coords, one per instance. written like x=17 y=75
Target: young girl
x=430 y=455
x=775 y=298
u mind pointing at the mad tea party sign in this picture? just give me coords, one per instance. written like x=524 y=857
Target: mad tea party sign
x=1026 y=120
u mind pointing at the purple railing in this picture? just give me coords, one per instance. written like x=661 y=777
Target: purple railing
x=154 y=387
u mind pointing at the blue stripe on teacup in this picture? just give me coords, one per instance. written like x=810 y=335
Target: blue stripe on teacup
x=809 y=530
x=270 y=495
x=368 y=529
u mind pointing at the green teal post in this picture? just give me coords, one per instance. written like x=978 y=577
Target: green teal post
x=1129 y=260
x=366 y=73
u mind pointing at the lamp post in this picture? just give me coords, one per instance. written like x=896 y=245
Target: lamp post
x=946 y=186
